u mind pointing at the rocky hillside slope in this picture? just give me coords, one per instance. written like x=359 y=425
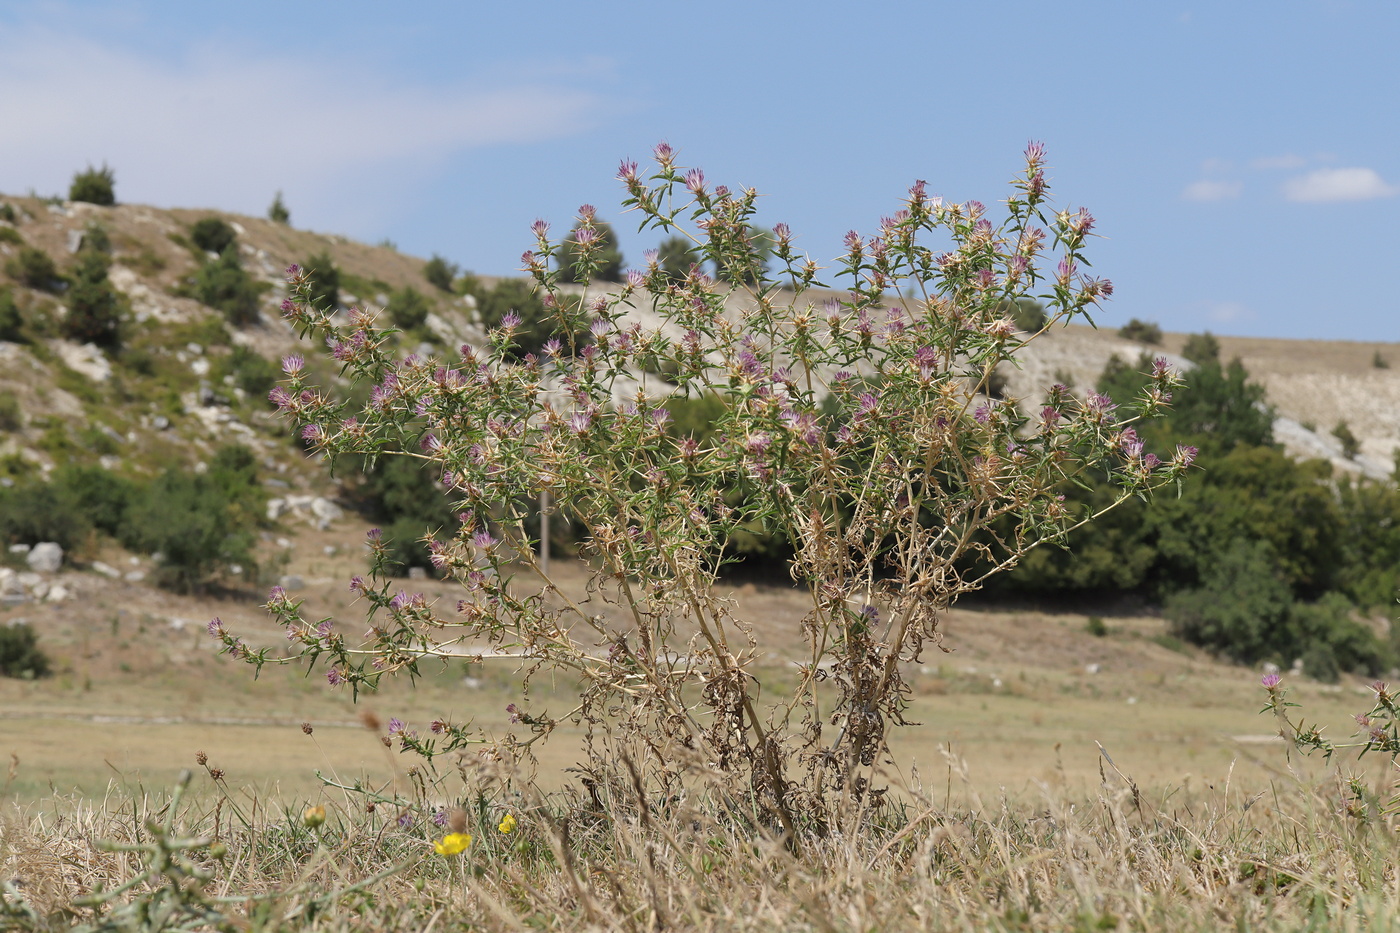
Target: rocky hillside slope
x=175 y=392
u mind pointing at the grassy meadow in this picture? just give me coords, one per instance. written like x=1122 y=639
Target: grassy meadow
x=1058 y=779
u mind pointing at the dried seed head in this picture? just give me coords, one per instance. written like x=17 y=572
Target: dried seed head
x=369 y=720
x=306 y=727
x=201 y=759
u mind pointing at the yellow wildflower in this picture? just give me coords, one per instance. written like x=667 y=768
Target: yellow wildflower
x=507 y=824
x=453 y=844
x=313 y=817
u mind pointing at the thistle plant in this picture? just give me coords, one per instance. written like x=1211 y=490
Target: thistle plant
x=856 y=424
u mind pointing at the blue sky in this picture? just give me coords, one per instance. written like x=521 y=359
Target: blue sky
x=1242 y=158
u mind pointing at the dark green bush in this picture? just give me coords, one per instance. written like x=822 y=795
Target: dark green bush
x=1379 y=362
x=20 y=655
x=198 y=523
x=1351 y=447
x=12 y=236
x=96 y=238
x=607 y=256
x=1141 y=331
x=94 y=306
x=34 y=511
x=11 y=418
x=277 y=212
x=212 y=235
x=676 y=256
x=408 y=501
x=325 y=280
x=224 y=284
x=1026 y=313
x=408 y=308
x=102 y=496
x=8 y=213
x=11 y=321
x=33 y=267
x=440 y=273
x=95 y=186
x=1202 y=349
x=537 y=323
x=252 y=373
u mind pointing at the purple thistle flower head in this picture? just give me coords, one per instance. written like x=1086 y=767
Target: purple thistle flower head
x=1185 y=455
x=395 y=725
x=323 y=628
x=405 y=820
x=276 y=596
x=281 y=398
x=336 y=676
x=852 y=241
x=783 y=232
x=1150 y=461
x=292 y=364
x=917 y=191
x=664 y=153
x=1160 y=367
x=1065 y=270
x=400 y=601
x=584 y=236
x=868 y=402
x=374 y=535
x=483 y=540
x=580 y=421
x=587 y=213
x=1050 y=416
x=695 y=181
x=440 y=818
x=1082 y=222
x=627 y=170
x=216 y=627
x=313 y=433
x=540 y=227
x=983 y=414
x=635 y=278
x=510 y=321
x=552 y=347
x=1100 y=404
x=293 y=272
x=659 y=417
x=1270 y=681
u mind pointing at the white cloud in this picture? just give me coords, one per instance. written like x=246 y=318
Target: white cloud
x=1286 y=161
x=222 y=129
x=1212 y=190
x=1229 y=312
x=1338 y=184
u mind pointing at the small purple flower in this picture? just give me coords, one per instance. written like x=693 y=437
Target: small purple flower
x=336 y=676
x=483 y=540
x=635 y=278
x=281 y=398
x=587 y=213
x=1082 y=222
x=313 y=433
x=395 y=725
x=1035 y=151
x=659 y=417
x=983 y=414
x=292 y=364
x=374 y=536
x=540 y=228
x=1050 y=416
x=216 y=627
x=1185 y=455
x=1270 y=681
x=918 y=190
x=783 y=232
x=323 y=628
x=293 y=272
x=1100 y=404
x=664 y=153
x=405 y=820
x=695 y=181
x=440 y=818
x=400 y=601
x=552 y=347
x=627 y=170
x=1160 y=367
x=871 y=614
x=580 y=421
x=514 y=712
x=510 y=321
x=852 y=241
x=276 y=596
x=1065 y=270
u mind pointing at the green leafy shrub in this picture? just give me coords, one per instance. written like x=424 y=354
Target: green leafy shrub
x=1026 y=313
x=95 y=186
x=199 y=524
x=1141 y=331
x=33 y=267
x=11 y=321
x=440 y=273
x=102 y=496
x=1351 y=447
x=324 y=280
x=8 y=213
x=225 y=285
x=405 y=497
x=20 y=655
x=253 y=373
x=1379 y=362
x=408 y=308
x=1202 y=349
x=277 y=212
x=12 y=236
x=94 y=306
x=35 y=511
x=96 y=238
x=537 y=325
x=676 y=256
x=11 y=417
x=590 y=251
x=213 y=235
